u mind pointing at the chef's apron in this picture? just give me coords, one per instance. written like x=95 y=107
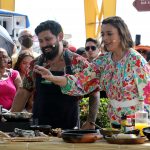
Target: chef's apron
x=51 y=107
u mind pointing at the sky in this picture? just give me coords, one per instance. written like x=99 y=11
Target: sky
x=70 y=14
x=138 y=22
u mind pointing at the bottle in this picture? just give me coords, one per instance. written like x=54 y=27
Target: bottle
x=129 y=126
x=123 y=122
x=141 y=118
x=126 y=123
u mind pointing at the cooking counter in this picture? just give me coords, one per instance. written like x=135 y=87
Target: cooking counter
x=55 y=143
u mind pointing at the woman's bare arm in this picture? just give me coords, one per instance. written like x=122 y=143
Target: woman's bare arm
x=20 y=100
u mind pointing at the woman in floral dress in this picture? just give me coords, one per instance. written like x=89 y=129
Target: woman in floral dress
x=122 y=72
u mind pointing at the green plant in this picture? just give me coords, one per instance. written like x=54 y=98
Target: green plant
x=102 y=118
x=84 y=109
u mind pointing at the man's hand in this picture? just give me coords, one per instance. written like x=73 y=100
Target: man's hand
x=87 y=125
x=45 y=73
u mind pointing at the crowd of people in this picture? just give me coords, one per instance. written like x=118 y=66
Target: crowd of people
x=52 y=84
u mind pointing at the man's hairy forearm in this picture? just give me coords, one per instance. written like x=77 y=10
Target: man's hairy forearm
x=94 y=100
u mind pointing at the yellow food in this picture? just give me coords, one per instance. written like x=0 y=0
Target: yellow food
x=140 y=126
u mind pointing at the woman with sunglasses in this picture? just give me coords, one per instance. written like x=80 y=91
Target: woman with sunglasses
x=122 y=72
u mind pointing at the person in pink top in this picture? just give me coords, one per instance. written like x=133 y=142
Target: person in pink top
x=10 y=81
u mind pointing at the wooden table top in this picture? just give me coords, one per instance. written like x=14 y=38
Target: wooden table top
x=55 y=143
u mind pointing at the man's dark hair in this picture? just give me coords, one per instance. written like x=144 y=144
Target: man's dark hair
x=53 y=26
x=97 y=43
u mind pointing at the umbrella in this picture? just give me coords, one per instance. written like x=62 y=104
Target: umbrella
x=6 y=41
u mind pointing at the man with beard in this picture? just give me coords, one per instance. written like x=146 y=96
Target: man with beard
x=25 y=39
x=50 y=105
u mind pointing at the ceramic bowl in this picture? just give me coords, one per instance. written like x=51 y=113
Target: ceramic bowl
x=80 y=136
x=146 y=132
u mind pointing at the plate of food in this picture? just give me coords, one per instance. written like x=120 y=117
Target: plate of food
x=20 y=135
x=17 y=116
x=125 y=139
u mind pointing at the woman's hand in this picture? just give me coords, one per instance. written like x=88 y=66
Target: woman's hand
x=45 y=73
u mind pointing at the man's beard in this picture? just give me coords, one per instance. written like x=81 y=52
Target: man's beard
x=50 y=55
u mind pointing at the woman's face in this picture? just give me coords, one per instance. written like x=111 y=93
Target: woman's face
x=3 y=58
x=110 y=37
x=25 y=64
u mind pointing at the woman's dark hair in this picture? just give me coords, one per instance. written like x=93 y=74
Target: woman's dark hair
x=124 y=33
x=21 y=56
x=53 y=26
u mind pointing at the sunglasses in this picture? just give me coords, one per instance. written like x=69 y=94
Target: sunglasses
x=93 y=48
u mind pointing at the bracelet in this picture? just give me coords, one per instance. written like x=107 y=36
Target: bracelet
x=92 y=123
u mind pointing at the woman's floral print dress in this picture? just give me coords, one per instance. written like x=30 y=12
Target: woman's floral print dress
x=125 y=82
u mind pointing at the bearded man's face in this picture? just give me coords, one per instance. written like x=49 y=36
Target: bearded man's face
x=49 y=44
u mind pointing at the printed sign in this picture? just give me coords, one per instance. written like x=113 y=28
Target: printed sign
x=142 y=5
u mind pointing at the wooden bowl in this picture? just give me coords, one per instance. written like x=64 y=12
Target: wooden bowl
x=138 y=140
